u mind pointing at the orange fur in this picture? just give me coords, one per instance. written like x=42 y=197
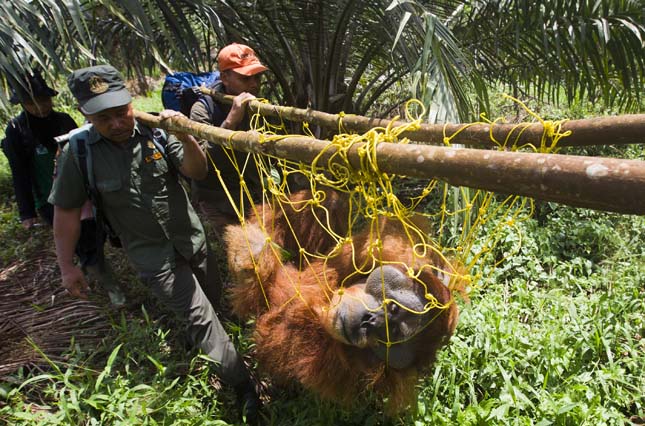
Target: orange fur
x=292 y=343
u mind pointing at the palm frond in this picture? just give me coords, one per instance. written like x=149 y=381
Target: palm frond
x=564 y=49
x=37 y=318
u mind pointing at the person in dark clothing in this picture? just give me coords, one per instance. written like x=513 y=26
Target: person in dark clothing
x=240 y=73
x=30 y=149
x=31 y=152
x=240 y=76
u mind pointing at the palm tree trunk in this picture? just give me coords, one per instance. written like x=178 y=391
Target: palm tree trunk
x=622 y=129
x=593 y=182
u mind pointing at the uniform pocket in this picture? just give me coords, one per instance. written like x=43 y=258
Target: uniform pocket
x=112 y=193
x=159 y=166
x=108 y=185
x=154 y=177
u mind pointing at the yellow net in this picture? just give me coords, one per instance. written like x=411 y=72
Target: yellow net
x=465 y=224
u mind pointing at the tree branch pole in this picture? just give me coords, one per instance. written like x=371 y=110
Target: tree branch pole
x=608 y=184
x=616 y=130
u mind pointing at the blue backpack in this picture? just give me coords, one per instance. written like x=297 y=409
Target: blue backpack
x=181 y=89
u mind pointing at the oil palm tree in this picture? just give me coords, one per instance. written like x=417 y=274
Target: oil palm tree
x=57 y=36
x=346 y=54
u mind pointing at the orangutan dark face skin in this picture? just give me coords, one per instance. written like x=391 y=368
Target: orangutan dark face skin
x=323 y=324
x=357 y=316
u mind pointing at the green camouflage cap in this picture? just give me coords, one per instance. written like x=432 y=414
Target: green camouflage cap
x=98 y=88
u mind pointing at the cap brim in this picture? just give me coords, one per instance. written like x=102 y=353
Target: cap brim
x=106 y=101
x=19 y=98
x=250 y=69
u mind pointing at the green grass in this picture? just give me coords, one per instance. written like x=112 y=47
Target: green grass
x=550 y=340
x=149 y=104
x=554 y=336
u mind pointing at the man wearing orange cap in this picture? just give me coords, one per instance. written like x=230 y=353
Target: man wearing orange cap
x=241 y=76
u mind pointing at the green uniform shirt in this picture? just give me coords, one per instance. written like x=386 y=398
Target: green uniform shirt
x=142 y=198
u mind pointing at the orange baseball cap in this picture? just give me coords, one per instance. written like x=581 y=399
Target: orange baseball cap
x=239 y=58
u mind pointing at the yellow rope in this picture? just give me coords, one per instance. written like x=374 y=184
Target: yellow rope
x=460 y=216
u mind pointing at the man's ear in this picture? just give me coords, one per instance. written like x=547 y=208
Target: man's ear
x=87 y=118
x=223 y=76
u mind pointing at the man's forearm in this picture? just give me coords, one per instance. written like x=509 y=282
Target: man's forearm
x=67 y=229
x=230 y=123
x=194 y=164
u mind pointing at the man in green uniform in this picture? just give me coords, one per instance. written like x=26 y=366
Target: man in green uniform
x=145 y=204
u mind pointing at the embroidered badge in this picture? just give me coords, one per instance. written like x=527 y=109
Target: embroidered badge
x=154 y=157
x=97 y=85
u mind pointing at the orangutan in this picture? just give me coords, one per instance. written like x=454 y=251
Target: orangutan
x=325 y=320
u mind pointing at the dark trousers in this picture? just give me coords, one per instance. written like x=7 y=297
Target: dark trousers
x=218 y=214
x=46 y=213
x=180 y=290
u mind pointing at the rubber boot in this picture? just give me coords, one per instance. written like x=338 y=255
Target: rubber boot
x=248 y=403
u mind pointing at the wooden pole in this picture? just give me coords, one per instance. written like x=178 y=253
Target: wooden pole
x=599 y=183
x=617 y=130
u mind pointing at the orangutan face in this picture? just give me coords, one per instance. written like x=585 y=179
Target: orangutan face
x=358 y=315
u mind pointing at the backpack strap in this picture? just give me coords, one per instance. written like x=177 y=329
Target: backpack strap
x=83 y=155
x=160 y=140
x=215 y=110
x=208 y=103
